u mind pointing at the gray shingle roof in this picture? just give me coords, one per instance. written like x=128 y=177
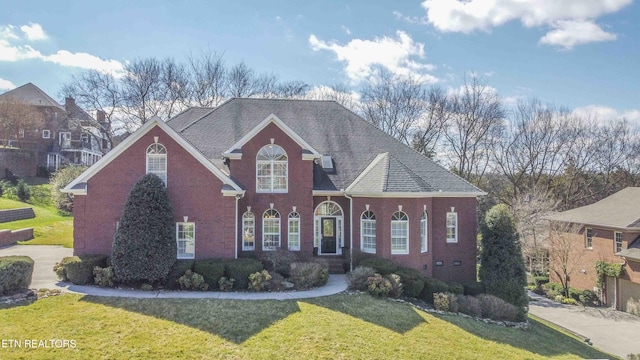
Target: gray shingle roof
x=619 y=210
x=32 y=95
x=632 y=252
x=330 y=129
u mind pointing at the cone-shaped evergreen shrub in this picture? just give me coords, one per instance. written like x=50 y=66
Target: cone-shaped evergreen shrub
x=145 y=245
x=502 y=268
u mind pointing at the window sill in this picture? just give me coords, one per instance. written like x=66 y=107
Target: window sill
x=368 y=251
x=399 y=253
x=452 y=241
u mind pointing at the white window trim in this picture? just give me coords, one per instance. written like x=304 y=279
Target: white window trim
x=272 y=164
x=245 y=228
x=424 y=232
x=588 y=238
x=338 y=214
x=264 y=233
x=162 y=174
x=46 y=134
x=178 y=240
x=615 y=241
x=293 y=217
x=364 y=221
x=455 y=227
x=406 y=223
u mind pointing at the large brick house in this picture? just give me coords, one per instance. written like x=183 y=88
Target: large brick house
x=312 y=177
x=66 y=134
x=608 y=230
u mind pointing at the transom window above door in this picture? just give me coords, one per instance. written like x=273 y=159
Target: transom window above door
x=272 y=165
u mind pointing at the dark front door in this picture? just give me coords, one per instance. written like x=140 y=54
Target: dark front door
x=328 y=243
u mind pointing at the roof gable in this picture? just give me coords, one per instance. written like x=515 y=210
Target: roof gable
x=31 y=95
x=235 y=151
x=76 y=187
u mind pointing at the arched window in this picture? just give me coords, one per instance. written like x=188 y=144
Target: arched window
x=424 y=246
x=157 y=161
x=294 y=231
x=368 y=232
x=272 y=166
x=270 y=230
x=399 y=233
x=248 y=231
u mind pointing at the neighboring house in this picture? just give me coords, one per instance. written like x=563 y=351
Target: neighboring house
x=608 y=230
x=312 y=177
x=67 y=135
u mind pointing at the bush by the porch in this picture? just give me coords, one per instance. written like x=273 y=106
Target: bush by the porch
x=15 y=273
x=309 y=274
x=79 y=269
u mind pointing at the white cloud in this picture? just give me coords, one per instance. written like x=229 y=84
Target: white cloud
x=606 y=113
x=33 y=31
x=12 y=49
x=6 y=84
x=467 y=16
x=345 y=29
x=362 y=56
x=569 y=33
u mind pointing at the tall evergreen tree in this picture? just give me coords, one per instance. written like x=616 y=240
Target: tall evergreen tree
x=502 y=268
x=145 y=247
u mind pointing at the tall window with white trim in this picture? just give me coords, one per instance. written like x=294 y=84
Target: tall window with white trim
x=452 y=227
x=399 y=233
x=294 y=231
x=588 y=236
x=272 y=165
x=248 y=231
x=157 y=161
x=368 y=232
x=270 y=230
x=424 y=246
x=618 y=242
x=186 y=239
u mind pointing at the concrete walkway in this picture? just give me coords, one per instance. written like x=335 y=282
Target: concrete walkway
x=612 y=331
x=46 y=256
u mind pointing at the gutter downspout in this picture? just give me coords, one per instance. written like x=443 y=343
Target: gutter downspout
x=238 y=197
x=350 y=230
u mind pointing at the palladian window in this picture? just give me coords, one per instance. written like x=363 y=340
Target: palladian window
x=272 y=166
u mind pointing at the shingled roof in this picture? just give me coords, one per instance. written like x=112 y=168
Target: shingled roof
x=355 y=146
x=619 y=210
x=31 y=95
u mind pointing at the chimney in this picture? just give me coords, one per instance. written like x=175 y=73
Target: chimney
x=69 y=103
x=100 y=116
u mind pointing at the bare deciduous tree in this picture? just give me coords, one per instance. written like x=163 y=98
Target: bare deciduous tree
x=207 y=79
x=565 y=252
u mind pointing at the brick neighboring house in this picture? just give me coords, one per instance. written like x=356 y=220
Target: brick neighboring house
x=68 y=135
x=309 y=176
x=607 y=230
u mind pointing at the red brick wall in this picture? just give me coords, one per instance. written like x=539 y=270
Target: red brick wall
x=9 y=237
x=194 y=192
x=299 y=194
x=438 y=249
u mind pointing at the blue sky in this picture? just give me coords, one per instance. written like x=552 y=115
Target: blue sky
x=583 y=54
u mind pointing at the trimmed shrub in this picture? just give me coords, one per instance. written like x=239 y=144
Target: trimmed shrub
x=145 y=245
x=396 y=285
x=226 y=284
x=278 y=261
x=358 y=256
x=469 y=305
x=540 y=280
x=258 y=280
x=559 y=298
x=192 y=281
x=432 y=286
x=473 y=289
x=211 y=270
x=79 y=269
x=23 y=190
x=569 y=301
x=178 y=269
x=495 y=308
x=146 y=287
x=15 y=273
x=575 y=294
x=379 y=286
x=633 y=307
x=381 y=265
x=103 y=277
x=240 y=269
x=412 y=281
x=589 y=298
x=455 y=288
x=62 y=178
x=275 y=284
x=445 y=302
x=306 y=275
x=357 y=279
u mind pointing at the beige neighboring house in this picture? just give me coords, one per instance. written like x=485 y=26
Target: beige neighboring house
x=607 y=230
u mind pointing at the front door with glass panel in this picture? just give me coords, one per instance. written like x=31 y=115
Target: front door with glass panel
x=328 y=242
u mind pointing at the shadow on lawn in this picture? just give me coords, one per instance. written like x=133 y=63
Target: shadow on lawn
x=541 y=339
x=233 y=320
x=376 y=311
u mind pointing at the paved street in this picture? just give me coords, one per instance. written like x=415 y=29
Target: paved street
x=612 y=331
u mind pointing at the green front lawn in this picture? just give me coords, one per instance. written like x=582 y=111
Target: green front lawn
x=49 y=226
x=335 y=327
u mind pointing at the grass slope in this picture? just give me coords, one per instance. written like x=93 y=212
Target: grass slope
x=49 y=226
x=335 y=327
